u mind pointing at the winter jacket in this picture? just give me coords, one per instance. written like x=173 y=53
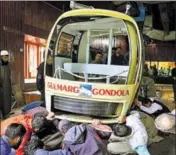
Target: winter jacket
x=139 y=136
x=40 y=81
x=56 y=152
x=83 y=140
x=5 y=147
x=25 y=120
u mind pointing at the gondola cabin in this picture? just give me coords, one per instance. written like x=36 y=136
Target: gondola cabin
x=97 y=65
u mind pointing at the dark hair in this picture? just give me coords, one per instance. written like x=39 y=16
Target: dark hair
x=14 y=130
x=39 y=121
x=114 y=49
x=41 y=114
x=75 y=47
x=99 y=53
x=122 y=130
x=144 y=100
x=124 y=38
x=34 y=144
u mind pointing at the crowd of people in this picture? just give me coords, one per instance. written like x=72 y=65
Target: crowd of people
x=120 y=54
x=37 y=132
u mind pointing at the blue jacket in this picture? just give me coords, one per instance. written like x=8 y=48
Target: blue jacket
x=83 y=140
x=55 y=152
x=5 y=147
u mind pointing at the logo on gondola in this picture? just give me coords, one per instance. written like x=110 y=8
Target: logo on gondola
x=85 y=90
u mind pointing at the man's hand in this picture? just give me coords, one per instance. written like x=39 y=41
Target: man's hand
x=121 y=119
x=50 y=116
x=96 y=122
x=137 y=103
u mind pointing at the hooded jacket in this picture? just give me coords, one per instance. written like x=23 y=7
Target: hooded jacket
x=5 y=147
x=83 y=140
x=25 y=120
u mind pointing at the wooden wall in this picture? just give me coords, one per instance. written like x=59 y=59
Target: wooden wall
x=20 y=18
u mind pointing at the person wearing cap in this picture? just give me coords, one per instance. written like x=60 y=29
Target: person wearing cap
x=147 y=86
x=151 y=107
x=130 y=137
x=81 y=139
x=5 y=84
x=166 y=122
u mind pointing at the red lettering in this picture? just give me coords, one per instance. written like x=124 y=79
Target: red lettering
x=70 y=89
x=49 y=85
x=76 y=89
x=106 y=92
x=113 y=93
x=127 y=93
x=63 y=87
x=95 y=91
x=101 y=92
x=118 y=93
x=59 y=87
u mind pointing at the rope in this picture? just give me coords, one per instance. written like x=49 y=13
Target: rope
x=90 y=78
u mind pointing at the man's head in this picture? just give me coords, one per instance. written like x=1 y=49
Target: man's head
x=75 y=47
x=39 y=122
x=34 y=144
x=146 y=70
x=122 y=130
x=49 y=60
x=122 y=44
x=64 y=126
x=114 y=50
x=4 y=56
x=14 y=134
x=166 y=123
x=145 y=101
x=98 y=57
x=117 y=52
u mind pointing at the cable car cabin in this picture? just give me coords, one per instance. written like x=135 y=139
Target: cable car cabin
x=97 y=63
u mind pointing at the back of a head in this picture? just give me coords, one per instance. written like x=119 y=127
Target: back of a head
x=99 y=53
x=38 y=122
x=14 y=130
x=144 y=100
x=4 y=53
x=34 y=144
x=121 y=130
x=64 y=126
x=166 y=123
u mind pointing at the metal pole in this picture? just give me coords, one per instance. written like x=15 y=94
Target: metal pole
x=87 y=52
x=110 y=50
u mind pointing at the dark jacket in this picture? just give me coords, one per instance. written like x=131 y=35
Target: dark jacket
x=40 y=75
x=83 y=140
x=120 y=60
x=5 y=147
x=35 y=147
x=165 y=109
x=5 y=88
x=48 y=129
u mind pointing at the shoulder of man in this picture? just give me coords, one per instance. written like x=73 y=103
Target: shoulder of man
x=5 y=148
x=41 y=66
